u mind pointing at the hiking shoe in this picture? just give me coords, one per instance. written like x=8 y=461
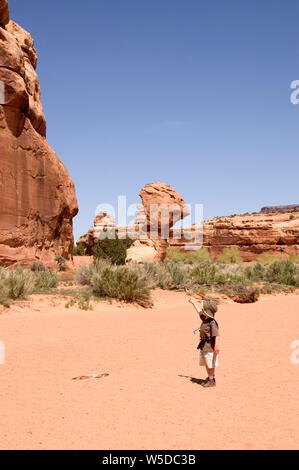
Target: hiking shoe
x=209 y=383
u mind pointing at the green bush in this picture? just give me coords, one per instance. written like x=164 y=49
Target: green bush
x=112 y=249
x=79 y=250
x=45 y=280
x=85 y=272
x=283 y=272
x=204 y=273
x=123 y=283
x=176 y=273
x=19 y=283
x=230 y=255
x=255 y=272
x=37 y=266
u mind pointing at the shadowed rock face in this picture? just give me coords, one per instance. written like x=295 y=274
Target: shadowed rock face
x=37 y=195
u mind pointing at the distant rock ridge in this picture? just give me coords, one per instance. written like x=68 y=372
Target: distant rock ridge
x=37 y=195
x=252 y=234
x=274 y=209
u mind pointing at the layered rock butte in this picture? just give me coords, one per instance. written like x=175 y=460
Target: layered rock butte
x=37 y=195
x=252 y=234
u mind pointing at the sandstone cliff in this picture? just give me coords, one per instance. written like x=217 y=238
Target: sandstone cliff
x=37 y=195
x=252 y=234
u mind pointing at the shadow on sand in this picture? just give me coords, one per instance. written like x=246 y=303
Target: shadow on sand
x=193 y=379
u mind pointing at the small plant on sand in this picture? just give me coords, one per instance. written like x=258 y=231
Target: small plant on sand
x=230 y=255
x=84 y=301
x=61 y=262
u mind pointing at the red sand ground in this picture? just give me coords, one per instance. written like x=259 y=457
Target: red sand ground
x=148 y=400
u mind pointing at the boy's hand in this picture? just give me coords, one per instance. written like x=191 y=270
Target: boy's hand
x=217 y=350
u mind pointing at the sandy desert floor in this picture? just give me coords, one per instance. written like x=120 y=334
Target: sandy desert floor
x=150 y=399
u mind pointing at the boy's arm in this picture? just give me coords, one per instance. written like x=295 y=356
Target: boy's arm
x=217 y=345
x=195 y=305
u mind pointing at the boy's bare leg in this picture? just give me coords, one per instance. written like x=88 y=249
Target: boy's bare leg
x=211 y=372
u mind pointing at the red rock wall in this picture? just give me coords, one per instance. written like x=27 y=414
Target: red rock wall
x=37 y=195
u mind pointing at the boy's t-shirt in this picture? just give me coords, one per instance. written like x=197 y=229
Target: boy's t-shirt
x=208 y=331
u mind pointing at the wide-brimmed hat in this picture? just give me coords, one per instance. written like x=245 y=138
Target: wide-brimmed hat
x=210 y=307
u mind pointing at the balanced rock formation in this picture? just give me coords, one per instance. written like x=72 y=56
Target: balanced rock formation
x=37 y=195
x=252 y=234
x=161 y=208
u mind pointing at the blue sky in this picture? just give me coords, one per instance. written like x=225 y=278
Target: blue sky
x=190 y=92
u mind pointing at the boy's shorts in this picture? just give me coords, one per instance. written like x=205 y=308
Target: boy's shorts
x=208 y=359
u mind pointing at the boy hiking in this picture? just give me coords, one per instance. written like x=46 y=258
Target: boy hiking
x=209 y=338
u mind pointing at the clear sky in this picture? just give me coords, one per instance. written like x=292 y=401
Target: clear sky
x=190 y=92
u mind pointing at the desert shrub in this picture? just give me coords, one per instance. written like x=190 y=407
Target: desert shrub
x=283 y=272
x=204 y=273
x=174 y=254
x=4 y=291
x=123 y=283
x=37 y=266
x=230 y=255
x=79 y=250
x=255 y=272
x=61 y=262
x=85 y=272
x=158 y=274
x=240 y=293
x=267 y=258
x=112 y=249
x=177 y=274
x=84 y=301
x=19 y=283
x=45 y=280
